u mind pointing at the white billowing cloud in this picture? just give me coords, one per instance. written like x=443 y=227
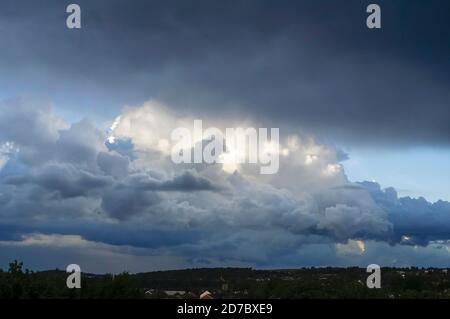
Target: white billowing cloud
x=128 y=187
x=304 y=164
x=248 y=199
x=308 y=167
x=76 y=166
x=148 y=126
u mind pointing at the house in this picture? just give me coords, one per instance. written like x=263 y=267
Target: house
x=206 y=295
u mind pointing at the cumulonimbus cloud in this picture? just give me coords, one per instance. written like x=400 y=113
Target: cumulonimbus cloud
x=66 y=178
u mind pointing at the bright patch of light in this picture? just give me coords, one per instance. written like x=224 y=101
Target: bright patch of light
x=331 y=169
x=352 y=247
x=309 y=159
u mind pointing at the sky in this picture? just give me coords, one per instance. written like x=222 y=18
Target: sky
x=416 y=171
x=86 y=117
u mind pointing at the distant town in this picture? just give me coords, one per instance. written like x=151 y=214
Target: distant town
x=228 y=283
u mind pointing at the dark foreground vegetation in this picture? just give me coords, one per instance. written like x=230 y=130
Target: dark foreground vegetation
x=229 y=283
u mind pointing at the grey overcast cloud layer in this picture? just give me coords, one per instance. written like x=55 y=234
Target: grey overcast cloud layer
x=308 y=64
x=112 y=200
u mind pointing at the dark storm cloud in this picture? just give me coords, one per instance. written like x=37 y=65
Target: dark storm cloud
x=113 y=164
x=65 y=179
x=416 y=221
x=137 y=194
x=306 y=64
x=64 y=187
x=186 y=182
